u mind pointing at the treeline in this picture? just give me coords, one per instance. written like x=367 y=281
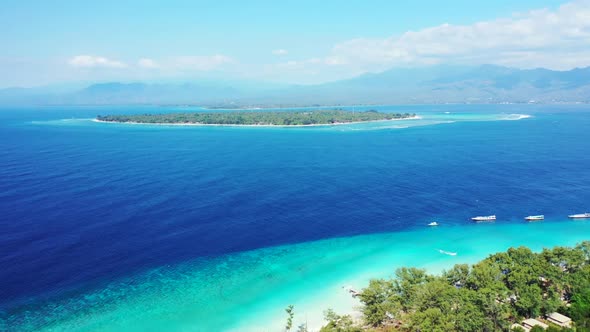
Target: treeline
x=258 y=118
x=501 y=290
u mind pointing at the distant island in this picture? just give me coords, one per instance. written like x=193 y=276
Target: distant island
x=259 y=118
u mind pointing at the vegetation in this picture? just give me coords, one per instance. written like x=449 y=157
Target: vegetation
x=290 y=313
x=503 y=289
x=299 y=118
x=337 y=323
x=290 y=310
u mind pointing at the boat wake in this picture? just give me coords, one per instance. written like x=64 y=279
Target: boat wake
x=514 y=117
x=447 y=252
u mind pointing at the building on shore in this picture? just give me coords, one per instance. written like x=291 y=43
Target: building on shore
x=516 y=326
x=559 y=319
x=531 y=322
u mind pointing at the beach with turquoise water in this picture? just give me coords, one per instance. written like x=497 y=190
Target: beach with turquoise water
x=141 y=228
x=249 y=291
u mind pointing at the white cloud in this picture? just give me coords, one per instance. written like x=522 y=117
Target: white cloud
x=147 y=63
x=553 y=38
x=557 y=39
x=200 y=62
x=280 y=52
x=90 y=61
x=330 y=61
x=335 y=61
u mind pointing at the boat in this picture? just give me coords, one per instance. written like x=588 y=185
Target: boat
x=579 y=216
x=484 y=218
x=535 y=218
x=434 y=223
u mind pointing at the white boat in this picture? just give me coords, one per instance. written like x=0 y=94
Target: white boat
x=434 y=223
x=579 y=216
x=535 y=218
x=484 y=218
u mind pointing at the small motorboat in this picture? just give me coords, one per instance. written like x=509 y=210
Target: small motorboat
x=434 y=223
x=534 y=218
x=579 y=216
x=484 y=218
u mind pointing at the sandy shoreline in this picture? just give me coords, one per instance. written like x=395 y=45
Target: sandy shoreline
x=256 y=126
x=376 y=256
x=248 y=291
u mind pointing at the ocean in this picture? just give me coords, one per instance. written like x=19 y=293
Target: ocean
x=119 y=227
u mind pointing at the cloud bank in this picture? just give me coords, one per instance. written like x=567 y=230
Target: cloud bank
x=147 y=63
x=185 y=62
x=556 y=39
x=90 y=61
x=280 y=52
x=551 y=38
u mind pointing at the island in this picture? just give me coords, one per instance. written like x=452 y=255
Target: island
x=259 y=118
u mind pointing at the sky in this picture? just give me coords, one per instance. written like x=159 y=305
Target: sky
x=303 y=42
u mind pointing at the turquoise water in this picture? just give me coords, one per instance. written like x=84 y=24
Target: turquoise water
x=109 y=227
x=249 y=291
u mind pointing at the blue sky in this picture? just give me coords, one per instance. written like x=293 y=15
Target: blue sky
x=47 y=42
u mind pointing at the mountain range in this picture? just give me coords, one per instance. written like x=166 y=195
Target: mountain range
x=434 y=84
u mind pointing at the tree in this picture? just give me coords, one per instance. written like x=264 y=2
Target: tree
x=467 y=316
x=378 y=299
x=406 y=282
x=584 y=247
x=485 y=274
x=432 y=320
x=302 y=327
x=529 y=301
x=290 y=313
x=457 y=275
x=495 y=311
x=579 y=310
x=566 y=258
x=553 y=328
x=337 y=323
x=434 y=294
x=488 y=296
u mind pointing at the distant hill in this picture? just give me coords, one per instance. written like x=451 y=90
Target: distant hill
x=434 y=84
x=140 y=93
x=457 y=84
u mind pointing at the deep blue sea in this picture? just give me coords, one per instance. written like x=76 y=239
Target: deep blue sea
x=85 y=205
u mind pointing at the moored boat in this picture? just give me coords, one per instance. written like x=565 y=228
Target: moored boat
x=484 y=218
x=579 y=216
x=534 y=218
